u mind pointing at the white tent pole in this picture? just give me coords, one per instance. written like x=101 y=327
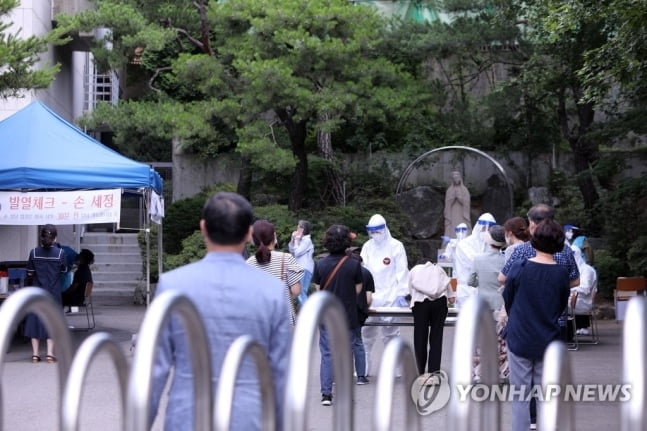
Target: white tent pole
x=160 y=251
x=147 y=229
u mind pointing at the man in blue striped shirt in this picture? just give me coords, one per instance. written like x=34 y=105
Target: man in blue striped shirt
x=525 y=251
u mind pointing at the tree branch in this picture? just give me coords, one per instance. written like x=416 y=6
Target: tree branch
x=192 y=39
x=154 y=77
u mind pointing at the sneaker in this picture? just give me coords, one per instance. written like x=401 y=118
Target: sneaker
x=361 y=380
x=533 y=426
x=326 y=400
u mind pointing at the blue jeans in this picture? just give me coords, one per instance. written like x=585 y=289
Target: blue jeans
x=523 y=373
x=326 y=367
x=305 y=286
x=357 y=347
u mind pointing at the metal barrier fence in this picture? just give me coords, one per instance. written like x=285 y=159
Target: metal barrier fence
x=475 y=328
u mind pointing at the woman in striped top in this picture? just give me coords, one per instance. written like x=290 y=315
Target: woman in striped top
x=281 y=265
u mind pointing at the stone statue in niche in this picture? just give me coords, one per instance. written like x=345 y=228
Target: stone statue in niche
x=457 y=205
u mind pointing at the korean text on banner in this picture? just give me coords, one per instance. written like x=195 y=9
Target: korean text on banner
x=64 y=207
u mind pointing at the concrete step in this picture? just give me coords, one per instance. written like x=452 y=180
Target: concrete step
x=117 y=258
x=121 y=291
x=101 y=249
x=117 y=277
x=118 y=269
x=109 y=238
x=113 y=266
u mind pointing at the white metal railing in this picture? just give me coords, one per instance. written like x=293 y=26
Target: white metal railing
x=474 y=328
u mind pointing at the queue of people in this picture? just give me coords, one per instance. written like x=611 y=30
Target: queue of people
x=528 y=318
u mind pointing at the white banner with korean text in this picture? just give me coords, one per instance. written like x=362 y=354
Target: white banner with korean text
x=65 y=207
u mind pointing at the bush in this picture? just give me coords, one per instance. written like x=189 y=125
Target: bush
x=609 y=268
x=354 y=216
x=193 y=249
x=284 y=221
x=182 y=217
x=623 y=212
x=152 y=259
x=181 y=220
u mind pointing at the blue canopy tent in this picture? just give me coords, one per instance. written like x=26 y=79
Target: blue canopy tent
x=43 y=152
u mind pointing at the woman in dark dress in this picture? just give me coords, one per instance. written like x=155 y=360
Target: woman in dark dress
x=75 y=295
x=45 y=266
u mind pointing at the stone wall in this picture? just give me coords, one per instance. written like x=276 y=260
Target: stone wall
x=191 y=174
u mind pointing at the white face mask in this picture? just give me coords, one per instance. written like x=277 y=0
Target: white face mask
x=461 y=234
x=377 y=235
x=569 y=235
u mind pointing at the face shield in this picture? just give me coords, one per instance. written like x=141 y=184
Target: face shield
x=484 y=225
x=378 y=233
x=460 y=231
x=569 y=231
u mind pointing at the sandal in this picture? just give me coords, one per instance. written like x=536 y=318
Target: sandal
x=35 y=359
x=50 y=359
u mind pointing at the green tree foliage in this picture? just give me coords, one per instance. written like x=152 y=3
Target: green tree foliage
x=260 y=77
x=18 y=56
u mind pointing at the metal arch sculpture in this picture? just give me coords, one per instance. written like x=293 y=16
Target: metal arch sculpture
x=241 y=347
x=498 y=166
x=555 y=413
x=320 y=308
x=88 y=351
x=40 y=302
x=396 y=354
x=634 y=356
x=474 y=328
x=140 y=380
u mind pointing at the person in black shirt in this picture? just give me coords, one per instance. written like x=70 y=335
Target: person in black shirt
x=345 y=284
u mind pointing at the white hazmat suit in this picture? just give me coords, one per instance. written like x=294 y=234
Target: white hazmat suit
x=464 y=256
x=450 y=250
x=386 y=258
x=588 y=283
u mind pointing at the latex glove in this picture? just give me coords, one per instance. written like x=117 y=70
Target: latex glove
x=445 y=238
x=401 y=301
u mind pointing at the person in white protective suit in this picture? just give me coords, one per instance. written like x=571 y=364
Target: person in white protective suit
x=450 y=250
x=386 y=258
x=464 y=256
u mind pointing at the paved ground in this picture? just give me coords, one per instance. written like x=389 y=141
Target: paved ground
x=29 y=391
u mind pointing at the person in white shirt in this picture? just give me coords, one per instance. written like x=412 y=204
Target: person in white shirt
x=302 y=249
x=586 y=291
x=430 y=292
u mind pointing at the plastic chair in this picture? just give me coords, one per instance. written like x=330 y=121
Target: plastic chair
x=626 y=288
x=89 y=308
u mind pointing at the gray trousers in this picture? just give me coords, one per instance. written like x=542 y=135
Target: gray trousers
x=523 y=373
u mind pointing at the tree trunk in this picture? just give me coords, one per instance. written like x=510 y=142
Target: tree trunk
x=335 y=185
x=244 y=187
x=297 y=134
x=585 y=152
